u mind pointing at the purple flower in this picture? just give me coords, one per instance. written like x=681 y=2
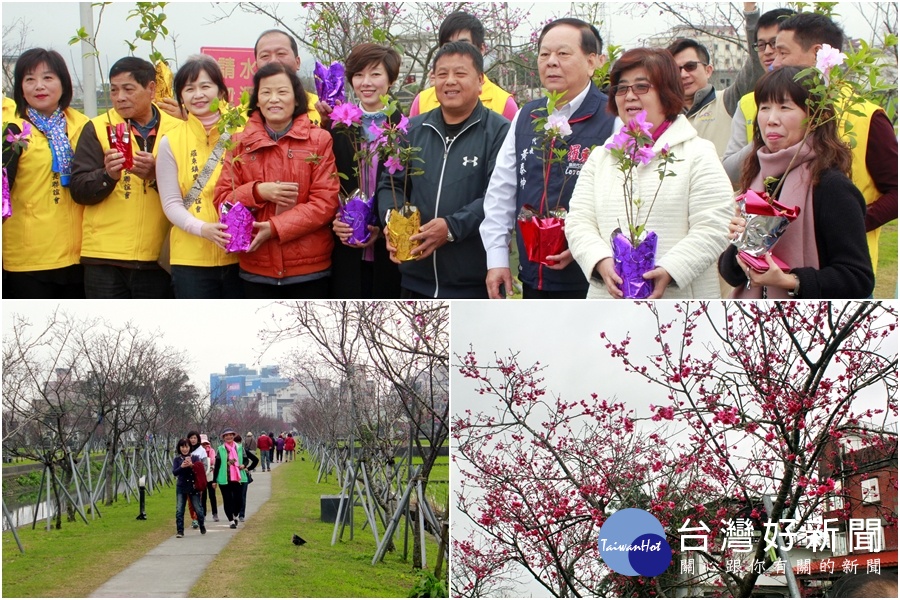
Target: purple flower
x=393 y=164
x=644 y=155
x=20 y=138
x=639 y=124
x=403 y=125
x=329 y=82
x=558 y=126
x=346 y=114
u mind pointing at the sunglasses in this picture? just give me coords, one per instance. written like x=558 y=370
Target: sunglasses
x=639 y=88
x=691 y=66
x=761 y=45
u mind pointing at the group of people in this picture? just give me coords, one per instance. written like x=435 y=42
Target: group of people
x=227 y=468
x=84 y=225
x=275 y=449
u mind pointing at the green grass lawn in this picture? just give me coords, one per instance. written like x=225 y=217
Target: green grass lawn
x=268 y=564
x=79 y=558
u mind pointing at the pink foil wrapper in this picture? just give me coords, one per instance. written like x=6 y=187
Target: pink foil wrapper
x=631 y=263
x=239 y=223
x=358 y=214
x=7 y=206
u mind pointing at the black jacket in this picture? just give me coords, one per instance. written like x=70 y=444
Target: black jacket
x=456 y=176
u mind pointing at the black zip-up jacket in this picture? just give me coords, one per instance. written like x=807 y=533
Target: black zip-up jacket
x=456 y=176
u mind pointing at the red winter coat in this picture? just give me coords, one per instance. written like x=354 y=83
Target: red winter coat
x=301 y=240
x=289 y=443
x=264 y=442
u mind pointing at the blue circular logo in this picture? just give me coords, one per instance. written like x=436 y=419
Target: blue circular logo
x=632 y=542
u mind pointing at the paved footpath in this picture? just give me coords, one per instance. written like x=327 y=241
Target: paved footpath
x=164 y=572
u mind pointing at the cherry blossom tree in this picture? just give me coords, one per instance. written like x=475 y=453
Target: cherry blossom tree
x=756 y=396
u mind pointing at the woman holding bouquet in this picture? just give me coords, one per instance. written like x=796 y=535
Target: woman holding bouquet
x=42 y=238
x=825 y=247
x=282 y=169
x=187 y=167
x=686 y=210
x=362 y=270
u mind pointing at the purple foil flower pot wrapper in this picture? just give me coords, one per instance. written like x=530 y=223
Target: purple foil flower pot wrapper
x=358 y=214
x=239 y=224
x=7 y=207
x=330 y=83
x=631 y=264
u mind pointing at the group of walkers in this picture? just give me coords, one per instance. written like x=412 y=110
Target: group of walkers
x=83 y=224
x=275 y=449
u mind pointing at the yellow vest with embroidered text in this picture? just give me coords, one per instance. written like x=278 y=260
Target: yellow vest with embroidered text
x=191 y=147
x=44 y=231
x=129 y=224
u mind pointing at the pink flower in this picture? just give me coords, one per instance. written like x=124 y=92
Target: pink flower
x=377 y=133
x=644 y=155
x=347 y=114
x=20 y=138
x=558 y=126
x=639 y=124
x=393 y=164
x=828 y=58
x=403 y=125
x=621 y=141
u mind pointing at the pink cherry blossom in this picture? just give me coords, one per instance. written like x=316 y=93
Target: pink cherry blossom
x=828 y=58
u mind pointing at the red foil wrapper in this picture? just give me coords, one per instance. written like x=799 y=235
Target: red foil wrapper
x=542 y=235
x=239 y=222
x=120 y=138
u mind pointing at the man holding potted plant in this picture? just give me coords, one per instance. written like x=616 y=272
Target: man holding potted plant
x=569 y=51
x=458 y=145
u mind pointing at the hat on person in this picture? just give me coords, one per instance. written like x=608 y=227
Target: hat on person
x=204 y=439
x=249 y=434
x=228 y=430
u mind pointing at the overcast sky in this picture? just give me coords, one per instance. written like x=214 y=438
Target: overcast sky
x=213 y=334
x=191 y=25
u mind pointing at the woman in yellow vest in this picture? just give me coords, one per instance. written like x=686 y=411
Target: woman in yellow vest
x=42 y=238
x=187 y=168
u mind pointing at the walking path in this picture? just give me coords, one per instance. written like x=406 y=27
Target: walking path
x=171 y=569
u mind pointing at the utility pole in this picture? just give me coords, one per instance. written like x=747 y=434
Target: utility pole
x=87 y=61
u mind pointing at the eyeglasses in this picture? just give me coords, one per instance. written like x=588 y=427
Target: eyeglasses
x=639 y=89
x=691 y=66
x=761 y=45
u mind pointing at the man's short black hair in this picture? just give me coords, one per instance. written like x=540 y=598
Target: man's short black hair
x=682 y=44
x=591 y=42
x=773 y=17
x=812 y=28
x=142 y=71
x=461 y=21
x=294 y=48
x=464 y=48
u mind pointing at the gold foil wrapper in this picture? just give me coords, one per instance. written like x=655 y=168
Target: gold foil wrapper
x=401 y=225
x=163 y=82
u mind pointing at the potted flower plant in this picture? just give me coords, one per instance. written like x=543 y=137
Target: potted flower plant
x=235 y=216
x=634 y=250
x=542 y=228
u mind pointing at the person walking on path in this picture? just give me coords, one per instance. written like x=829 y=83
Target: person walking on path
x=198 y=452
x=250 y=462
x=289 y=445
x=264 y=443
x=230 y=474
x=182 y=467
x=210 y=490
x=279 y=447
x=271 y=449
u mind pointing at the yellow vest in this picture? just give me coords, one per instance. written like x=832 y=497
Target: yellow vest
x=492 y=96
x=9 y=109
x=44 y=231
x=859 y=172
x=313 y=114
x=129 y=224
x=191 y=147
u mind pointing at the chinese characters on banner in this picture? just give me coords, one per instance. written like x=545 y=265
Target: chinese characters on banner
x=817 y=535
x=238 y=67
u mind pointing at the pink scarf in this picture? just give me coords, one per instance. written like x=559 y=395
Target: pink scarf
x=797 y=246
x=234 y=473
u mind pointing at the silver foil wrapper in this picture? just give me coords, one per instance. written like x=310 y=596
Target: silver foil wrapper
x=761 y=232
